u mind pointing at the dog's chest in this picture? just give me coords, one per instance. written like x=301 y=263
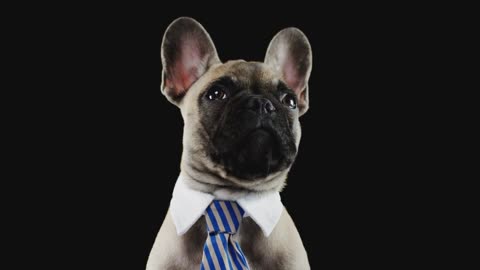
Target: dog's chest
x=254 y=244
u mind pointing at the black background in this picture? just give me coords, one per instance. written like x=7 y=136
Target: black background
x=120 y=139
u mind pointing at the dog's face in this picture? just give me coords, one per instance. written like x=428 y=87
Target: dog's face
x=241 y=118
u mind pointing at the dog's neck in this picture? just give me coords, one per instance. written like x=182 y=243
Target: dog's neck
x=224 y=189
x=220 y=192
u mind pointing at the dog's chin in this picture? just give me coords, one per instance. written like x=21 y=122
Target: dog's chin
x=258 y=155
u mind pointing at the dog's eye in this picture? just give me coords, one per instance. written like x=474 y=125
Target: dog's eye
x=216 y=93
x=290 y=101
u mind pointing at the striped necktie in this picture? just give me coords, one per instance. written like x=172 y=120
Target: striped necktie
x=221 y=252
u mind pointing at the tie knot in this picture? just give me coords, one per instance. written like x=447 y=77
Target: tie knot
x=223 y=217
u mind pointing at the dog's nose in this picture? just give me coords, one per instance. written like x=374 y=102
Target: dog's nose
x=260 y=105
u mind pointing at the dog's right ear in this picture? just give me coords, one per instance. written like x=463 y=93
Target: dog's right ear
x=187 y=52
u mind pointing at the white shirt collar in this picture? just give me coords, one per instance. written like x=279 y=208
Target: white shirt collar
x=188 y=205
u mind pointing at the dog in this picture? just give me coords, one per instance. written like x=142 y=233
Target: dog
x=240 y=139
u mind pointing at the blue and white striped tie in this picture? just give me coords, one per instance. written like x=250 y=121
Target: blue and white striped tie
x=221 y=252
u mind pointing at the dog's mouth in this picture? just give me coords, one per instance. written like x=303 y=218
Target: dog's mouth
x=265 y=147
x=256 y=155
x=262 y=133
x=260 y=142
x=252 y=148
x=263 y=129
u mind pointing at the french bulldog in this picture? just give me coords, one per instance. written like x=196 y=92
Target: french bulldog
x=241 y=136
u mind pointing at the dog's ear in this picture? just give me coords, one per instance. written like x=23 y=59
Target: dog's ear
x=290 y=54
x=187 y=52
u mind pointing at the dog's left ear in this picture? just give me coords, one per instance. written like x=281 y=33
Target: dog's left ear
x=187 y=52
x=290 y=54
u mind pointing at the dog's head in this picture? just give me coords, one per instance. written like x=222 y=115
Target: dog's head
x=241 y=118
